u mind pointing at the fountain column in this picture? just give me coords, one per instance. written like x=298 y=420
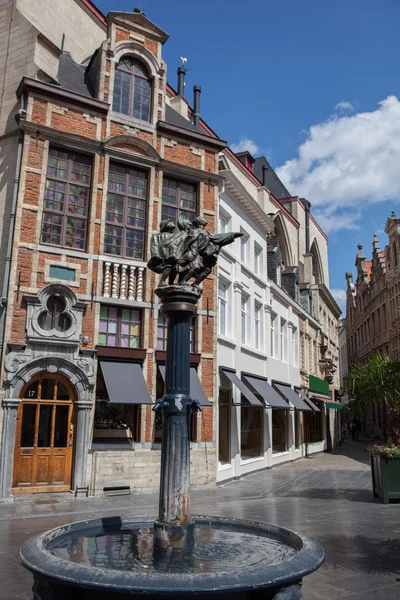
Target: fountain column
x=174 y=527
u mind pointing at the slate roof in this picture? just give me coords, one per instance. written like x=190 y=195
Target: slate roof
x=71 y=75
x=272 y=181
x=174 y=118
x=75 y=78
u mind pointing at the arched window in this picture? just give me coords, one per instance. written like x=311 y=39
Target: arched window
x=132 y=89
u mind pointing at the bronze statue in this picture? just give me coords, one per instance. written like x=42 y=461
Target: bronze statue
x=187 y=252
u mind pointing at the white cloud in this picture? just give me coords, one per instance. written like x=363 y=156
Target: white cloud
x=243 y=144
x=348 y=162
x=340 y=296
x=344 y=106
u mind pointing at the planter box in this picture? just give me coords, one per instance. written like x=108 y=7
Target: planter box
x=386 y=477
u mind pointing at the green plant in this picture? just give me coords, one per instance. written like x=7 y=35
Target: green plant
x=388 y=450
x=377 y=380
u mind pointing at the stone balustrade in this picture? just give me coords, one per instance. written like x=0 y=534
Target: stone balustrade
x=123 y=281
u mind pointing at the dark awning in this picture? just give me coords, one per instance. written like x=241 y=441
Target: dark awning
x=244 y=390
x=125 y=383
x=310 y=403
x=196 y=389
x=266 y=391
x=291 y=395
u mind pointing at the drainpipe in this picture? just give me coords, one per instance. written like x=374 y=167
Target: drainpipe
x=20 y=116
x=196 y=105
x=307 y=206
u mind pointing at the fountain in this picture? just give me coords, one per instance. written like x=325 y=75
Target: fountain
x=174 y=555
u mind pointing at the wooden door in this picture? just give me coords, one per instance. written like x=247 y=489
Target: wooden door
x=44 y=437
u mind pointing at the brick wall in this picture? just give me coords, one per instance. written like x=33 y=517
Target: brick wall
x=31 y=261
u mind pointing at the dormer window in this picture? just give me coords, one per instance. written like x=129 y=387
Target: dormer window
x=132 y=89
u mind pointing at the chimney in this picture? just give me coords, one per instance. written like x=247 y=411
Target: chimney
x=181 y=80
x=196 y=105
x=264 y=174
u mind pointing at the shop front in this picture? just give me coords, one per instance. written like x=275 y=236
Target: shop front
x=260 y=424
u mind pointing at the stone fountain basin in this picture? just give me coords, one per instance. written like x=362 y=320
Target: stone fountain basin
x=114 y=558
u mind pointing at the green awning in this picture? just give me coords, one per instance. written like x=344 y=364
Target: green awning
x=336 y=405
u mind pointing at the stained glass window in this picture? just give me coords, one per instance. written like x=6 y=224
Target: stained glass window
x=119 y=327
x=162 y=327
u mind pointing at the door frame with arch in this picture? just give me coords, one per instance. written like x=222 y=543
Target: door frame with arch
x=44 y=440
x=21 y=367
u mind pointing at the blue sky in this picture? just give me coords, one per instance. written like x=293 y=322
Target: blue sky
x=313 y=85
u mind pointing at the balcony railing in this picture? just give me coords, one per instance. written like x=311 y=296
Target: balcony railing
x=123 y=281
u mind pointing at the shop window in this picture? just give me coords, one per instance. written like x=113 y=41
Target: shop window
x=132 y=89
x=297 y=429
x=279 y=430
x=179 y=200
x=114 y=423
x=119 y=327
x=224 y=404
x=250 y=431
x=162 y=328
x=66 y=200
x=314 y=423
x=125 y=212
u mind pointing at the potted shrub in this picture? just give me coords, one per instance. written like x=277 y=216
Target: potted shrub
x=385 y=467
x=376 y=381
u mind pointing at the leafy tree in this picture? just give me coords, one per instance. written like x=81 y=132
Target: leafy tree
x=377 y=380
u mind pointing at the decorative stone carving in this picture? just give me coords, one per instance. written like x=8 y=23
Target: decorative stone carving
x=54 y=316
x=14 y=361
x=86 y=366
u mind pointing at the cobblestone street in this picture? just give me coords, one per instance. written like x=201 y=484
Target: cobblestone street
x=327 y=497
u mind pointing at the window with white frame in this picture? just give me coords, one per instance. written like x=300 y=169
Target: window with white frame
x=283 y=336
x=315 y=357
x=243 y=246
x=257 y=259
x=257 y=325
x=295 y=347
x=223 y=222
x=273 y=342
x=222 y=307
x=302 y=357
x=243 y=319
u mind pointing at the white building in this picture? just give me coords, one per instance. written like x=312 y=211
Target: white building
x=258 y=338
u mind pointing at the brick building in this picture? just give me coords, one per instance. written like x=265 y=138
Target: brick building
x=96 y=150
x=372 y=305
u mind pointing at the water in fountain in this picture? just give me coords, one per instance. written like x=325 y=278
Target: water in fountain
x=130 y=548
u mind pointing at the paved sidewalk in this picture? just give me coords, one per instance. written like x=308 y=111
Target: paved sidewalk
x=327 y=497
